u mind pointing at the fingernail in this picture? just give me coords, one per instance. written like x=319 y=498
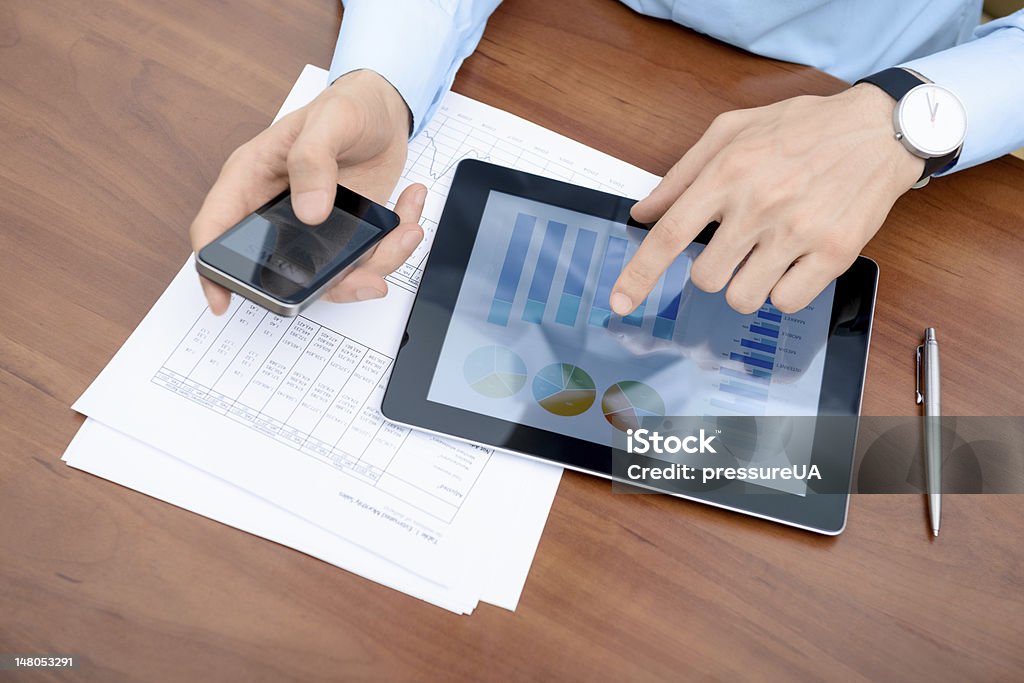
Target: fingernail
x=367 y=293
x=621 y=303
x=411 y=239
x=312 y=204
x=421 y=194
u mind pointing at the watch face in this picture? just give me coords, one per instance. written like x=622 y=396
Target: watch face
x=932 y=119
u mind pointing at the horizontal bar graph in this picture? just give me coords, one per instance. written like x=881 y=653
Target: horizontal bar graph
x=755 y=376
x=757 y=361
x=741 y=389
x=747 y=374
x=757 y=346
x=766 y=329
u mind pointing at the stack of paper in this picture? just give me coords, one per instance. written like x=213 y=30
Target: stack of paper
x=271 y=424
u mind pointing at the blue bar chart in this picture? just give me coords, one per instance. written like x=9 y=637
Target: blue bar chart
x=512 y=269
x=576 y=278
x=544 y=274
x=747 y=372
x=611 y=266
x=571 y=270
x=766 y=329
x=671 y=293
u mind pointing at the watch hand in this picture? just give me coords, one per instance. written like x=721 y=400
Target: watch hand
x=932 y=109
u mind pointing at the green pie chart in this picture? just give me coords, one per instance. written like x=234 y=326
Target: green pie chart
x=626 y=404
x=494 y=371
x=564 y=389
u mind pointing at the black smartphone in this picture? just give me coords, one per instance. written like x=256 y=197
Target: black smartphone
x=279 y=262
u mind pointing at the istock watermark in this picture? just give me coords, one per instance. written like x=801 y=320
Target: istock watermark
x=648 y=441
x=813 y=455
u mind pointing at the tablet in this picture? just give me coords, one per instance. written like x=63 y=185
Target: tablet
x=511 y=344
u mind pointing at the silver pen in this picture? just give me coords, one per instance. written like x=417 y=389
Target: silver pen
x=928 y=394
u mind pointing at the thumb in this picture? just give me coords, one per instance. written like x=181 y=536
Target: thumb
x=313 y=167
x=409 y=206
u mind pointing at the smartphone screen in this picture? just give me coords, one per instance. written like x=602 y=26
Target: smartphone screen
x=274 y=252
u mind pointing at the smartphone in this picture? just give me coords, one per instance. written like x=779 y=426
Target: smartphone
x=284 y=265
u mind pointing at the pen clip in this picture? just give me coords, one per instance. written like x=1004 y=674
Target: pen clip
x=917 y=376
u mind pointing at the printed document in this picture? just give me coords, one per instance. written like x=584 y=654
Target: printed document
x=286 y=411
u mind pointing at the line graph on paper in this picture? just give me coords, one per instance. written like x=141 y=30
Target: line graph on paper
x=466 y=129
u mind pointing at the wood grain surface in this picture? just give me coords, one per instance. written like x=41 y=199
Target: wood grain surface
x=114 y=119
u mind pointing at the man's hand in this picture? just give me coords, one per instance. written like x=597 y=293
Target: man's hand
x=354 y=133
x=799 y=187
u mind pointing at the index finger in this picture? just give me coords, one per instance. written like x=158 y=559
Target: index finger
x=667 y=239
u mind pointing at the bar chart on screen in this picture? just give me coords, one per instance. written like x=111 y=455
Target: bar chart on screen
x=549 y=275
x=540 y=292
x=466 y=129
x=746 y=370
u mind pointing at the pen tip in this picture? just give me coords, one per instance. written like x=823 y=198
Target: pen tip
x=935 y=531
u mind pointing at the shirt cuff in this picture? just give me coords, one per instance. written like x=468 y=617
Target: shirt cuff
x=409 y=44
x=985 y=74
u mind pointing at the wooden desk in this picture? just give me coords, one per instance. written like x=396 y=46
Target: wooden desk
x=115 y=119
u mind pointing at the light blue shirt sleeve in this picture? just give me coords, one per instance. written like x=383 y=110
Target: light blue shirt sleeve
x=987 y=74
x=417 y=45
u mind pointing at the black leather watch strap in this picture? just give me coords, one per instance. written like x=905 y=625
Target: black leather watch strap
x=898 y=82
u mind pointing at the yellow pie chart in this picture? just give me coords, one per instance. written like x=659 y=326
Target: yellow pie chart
x=564 y=389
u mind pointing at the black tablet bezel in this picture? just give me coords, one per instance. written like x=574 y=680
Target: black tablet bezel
x=405 y=399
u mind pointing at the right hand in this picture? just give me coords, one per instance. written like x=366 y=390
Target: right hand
x=354 y=133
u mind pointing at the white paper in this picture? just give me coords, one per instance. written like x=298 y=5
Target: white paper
x=106 y=453
x=265 y=422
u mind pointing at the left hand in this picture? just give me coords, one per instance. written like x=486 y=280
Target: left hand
x=799 y=187
x=356 y=133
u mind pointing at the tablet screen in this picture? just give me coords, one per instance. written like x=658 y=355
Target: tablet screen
x=532 y=340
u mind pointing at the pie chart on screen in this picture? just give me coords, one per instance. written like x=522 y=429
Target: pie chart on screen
x=564 y=389
x=626 y=404
x=494 y=371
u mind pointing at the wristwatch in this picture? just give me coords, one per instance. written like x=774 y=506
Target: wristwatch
x=929 y=120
